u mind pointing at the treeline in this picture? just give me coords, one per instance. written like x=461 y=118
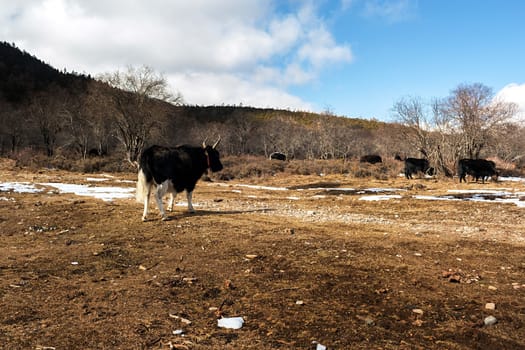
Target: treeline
x=23 y=75
x=55 y=112
x=52 y=113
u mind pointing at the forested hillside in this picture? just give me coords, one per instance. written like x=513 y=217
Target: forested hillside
x=23 y=75
x=45 y=112
x=75 y=114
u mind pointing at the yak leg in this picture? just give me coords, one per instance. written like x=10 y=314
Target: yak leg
x=146 y=203
x=173 y=194
x=170 y=201
x=189 y=195
x=159 y=193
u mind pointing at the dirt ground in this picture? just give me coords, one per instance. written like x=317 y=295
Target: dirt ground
x=305 y=267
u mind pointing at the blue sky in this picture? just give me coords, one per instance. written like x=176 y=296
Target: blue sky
x=354 y=58
x=426 y=49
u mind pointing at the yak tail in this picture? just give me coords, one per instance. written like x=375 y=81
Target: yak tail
x=142 y=187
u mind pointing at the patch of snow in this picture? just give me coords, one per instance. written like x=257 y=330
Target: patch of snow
x=104 y=193
x=96 y=179
x=495 y=192
x=127 y=181
x=340 y=189
x=435 y=198
x=511 y=179
x=380 y=197
x=19 y=187
x=379 y=190
x=268 y=188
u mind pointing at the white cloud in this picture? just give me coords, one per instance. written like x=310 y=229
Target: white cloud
x=321 y=48
x=514 y=93
x=228 y=89
x=240 y=49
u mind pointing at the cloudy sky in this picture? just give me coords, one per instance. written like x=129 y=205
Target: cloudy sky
x=351 y=57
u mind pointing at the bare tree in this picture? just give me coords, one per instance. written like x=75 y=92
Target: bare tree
x=243 y=129
x=461 y=125
x=508 y=143
x=100 y=121
x=473 y=113
x=47 y=111
x=135 y=95
x=411 y=112
x=77 y=124
x=12 y=127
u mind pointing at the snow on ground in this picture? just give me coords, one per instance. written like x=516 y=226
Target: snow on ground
x=109 y=193
x=380 y=197
x=18 y=187
x=106 y=193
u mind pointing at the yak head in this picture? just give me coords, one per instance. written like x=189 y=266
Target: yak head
x=212 y=156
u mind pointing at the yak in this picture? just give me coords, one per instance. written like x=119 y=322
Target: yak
x=173 y=170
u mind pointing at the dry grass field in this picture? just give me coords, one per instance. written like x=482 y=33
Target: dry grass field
x=304 y=260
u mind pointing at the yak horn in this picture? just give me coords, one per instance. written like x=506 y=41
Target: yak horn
x=204 y=142
x=216 y=142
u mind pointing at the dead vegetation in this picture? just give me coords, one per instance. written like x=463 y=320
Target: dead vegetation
x=304 y=266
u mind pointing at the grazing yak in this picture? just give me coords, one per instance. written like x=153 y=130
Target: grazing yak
x=278 y=156
x=371 y=158
x=416 y=165
x=173 y=170
x=477 y=168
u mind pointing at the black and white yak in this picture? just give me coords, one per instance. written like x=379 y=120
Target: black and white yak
x=173 y=170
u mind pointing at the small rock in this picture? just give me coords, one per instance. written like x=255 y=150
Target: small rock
x=182 y=319
x=490 y=306
x=455 y=278
x=230 y=322
x=228 y=284
x=446 y=274
x=319 y=346
x=493 y=288
x=299 y=302
x=185 y=320
x=369 y=321
x=417 y=323
x=490 y=320
x=250 y=256
x=417 y=311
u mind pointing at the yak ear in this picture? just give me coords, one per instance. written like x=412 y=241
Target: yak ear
x=204 y=142
x=217 y=142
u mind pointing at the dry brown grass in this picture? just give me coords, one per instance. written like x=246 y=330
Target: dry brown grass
x=79 y=273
